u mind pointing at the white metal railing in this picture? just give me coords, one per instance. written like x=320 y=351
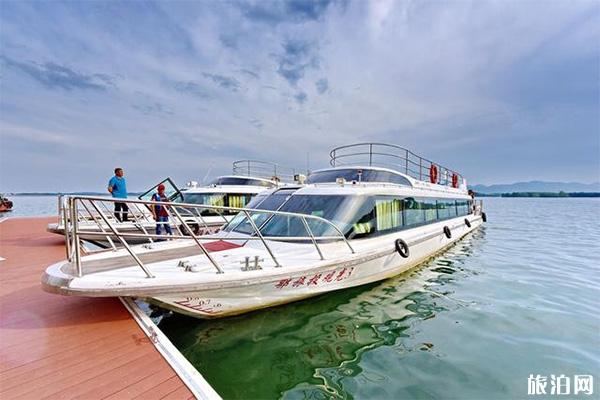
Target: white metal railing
x=94 y=208
x=139 y=218
x=478 y=207
x=397 y=158
x=264 y=169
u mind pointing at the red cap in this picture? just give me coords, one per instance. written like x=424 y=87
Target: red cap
x=161 y=187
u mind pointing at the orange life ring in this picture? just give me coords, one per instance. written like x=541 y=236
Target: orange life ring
x=454 y=180
x=433 y=173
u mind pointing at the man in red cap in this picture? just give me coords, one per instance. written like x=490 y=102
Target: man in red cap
x=160 y=213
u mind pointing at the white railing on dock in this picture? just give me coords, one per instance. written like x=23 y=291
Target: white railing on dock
x=94 y=211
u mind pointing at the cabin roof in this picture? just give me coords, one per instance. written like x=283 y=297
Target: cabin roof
x=376 y=178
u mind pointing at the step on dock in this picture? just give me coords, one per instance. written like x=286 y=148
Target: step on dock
x=61 y=347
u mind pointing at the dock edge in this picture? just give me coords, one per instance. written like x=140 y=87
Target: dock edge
x=199 y=387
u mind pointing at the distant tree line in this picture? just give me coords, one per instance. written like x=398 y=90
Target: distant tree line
x=540 y=194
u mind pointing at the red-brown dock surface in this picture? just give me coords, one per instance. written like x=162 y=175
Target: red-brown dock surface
x=54 y=346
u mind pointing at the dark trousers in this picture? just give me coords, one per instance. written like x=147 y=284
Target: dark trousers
x=121 y=211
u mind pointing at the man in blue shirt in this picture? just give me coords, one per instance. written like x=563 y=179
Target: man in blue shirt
x=118 y=189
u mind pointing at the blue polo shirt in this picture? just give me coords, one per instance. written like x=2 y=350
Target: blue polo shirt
x=118 y=186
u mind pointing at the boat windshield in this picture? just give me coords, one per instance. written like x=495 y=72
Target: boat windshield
x=343 y=210
x=226 y=180
x=261 y=202
x=357 y=174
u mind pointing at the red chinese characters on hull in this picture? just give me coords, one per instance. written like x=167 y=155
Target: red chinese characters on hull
x=316 y=279
x=283 y=283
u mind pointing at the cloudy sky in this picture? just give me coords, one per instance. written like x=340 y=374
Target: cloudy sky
x=502 y=91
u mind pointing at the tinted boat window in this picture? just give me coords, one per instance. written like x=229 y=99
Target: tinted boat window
x=355 y=216
x=446 y=208
x=430 y=209
x=389 y=214
x=217 y=199
x=462 y=206
x=413 y=212
x=241 y=181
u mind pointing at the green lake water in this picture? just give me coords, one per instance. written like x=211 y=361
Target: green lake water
x=520 y=296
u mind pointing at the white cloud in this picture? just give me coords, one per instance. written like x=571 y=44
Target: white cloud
x=416 y=73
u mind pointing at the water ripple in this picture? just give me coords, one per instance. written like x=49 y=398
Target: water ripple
x=519 y=296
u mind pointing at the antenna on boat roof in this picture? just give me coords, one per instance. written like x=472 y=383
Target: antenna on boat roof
x=207 y=173
x=307 y=163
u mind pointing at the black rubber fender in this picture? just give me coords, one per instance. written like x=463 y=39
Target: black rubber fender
x=402 y=248
x=447 y=232
x=467 y=223
x=484 y=217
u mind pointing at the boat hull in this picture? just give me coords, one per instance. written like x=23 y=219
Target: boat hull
x=355 y=271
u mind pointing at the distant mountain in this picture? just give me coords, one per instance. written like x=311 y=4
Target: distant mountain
x=537 y=186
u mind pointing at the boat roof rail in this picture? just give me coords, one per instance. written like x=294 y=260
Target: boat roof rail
x=397 y=158
x=265 y=170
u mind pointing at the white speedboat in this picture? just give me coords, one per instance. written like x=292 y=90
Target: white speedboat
x=351 y=224
x=231 y=190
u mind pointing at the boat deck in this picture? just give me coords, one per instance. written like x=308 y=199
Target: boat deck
x=55 y=346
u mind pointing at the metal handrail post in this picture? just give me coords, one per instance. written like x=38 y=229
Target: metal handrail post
x=204 y=222
x=193 y=235
x=111 y=213
x=199 y=215
x=312 y=237
x=176 y=225
x=145 y=215
x=76 y=248
x=123 y=242
x=140 y=224
x=66 y=228
x=344 y=238
x=112 y=244
x=406 y=161
x=370 y=154
x=80 y=216
x=222 y=216
x=261 y=238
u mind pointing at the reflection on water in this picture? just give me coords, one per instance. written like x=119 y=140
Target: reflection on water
x=313 y=348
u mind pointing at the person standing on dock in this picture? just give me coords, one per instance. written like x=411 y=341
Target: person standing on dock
x=117 y=187
x=160 y=213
